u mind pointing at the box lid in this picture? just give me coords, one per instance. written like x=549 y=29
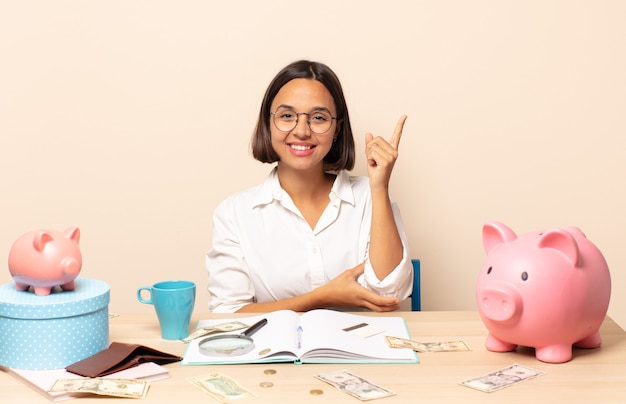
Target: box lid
x=88 y=296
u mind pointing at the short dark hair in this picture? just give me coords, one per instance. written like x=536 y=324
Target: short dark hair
x=342 y=153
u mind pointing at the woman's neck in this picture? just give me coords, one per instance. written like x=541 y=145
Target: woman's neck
x=309 y=191
x=310 y=184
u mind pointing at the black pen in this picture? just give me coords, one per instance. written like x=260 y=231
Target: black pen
x=254 y=328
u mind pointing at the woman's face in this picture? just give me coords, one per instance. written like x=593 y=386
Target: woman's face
x=301 y=148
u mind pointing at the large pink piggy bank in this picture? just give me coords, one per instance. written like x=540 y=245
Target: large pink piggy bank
x=548 y=290
x=45 y=259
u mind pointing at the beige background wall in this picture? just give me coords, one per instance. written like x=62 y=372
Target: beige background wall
x=131 y=120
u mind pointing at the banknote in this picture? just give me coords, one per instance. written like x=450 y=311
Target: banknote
x=128 y=388
x=444 y=346
x=502 y=378
x=224 y=327
x=221 y=387
x=354 y=385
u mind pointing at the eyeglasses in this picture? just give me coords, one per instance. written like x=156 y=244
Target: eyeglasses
x=286 y=119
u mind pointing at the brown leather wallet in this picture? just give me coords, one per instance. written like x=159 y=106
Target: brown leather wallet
x=119 y=356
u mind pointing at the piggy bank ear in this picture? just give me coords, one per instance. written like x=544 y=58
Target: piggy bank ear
x=495 y=234
x=40 y=240
x=563 y=242
x=573 y=230
x=73 y=233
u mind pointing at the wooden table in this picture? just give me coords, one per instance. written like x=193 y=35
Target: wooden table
x=592 y=376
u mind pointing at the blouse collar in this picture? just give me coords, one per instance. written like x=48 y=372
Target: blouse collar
x=271 y=190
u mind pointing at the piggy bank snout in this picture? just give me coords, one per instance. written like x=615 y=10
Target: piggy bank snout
x=500 y=302
x=70 y=266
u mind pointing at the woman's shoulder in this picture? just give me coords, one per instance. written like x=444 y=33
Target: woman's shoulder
x=254 y=195
x=353 y=189
x=356 y=182
x=240 y=198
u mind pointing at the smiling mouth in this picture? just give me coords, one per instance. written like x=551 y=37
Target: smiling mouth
x=300 y=147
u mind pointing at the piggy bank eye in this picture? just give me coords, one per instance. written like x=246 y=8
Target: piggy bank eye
x=489 y=270
x=524 y=275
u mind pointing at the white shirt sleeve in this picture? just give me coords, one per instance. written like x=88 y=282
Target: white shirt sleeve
x=229 y=282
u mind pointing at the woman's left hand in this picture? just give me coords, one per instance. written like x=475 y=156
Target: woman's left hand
x=381 y=156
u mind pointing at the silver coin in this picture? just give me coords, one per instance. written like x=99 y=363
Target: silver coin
x=266 y=384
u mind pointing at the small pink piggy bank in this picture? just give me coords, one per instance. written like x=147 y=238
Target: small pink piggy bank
x=45 y=259
x=548 y=290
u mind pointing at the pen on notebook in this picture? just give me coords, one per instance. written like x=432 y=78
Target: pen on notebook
x=299 y=336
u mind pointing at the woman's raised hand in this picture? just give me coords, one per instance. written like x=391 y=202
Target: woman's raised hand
x=381 y=156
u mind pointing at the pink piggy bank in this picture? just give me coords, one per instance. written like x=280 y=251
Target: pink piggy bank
x=548 y=290
x=45 y=259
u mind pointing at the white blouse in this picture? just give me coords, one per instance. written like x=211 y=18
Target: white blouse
x=264 y=250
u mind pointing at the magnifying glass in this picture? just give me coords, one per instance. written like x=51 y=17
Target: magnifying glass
x=230 y=344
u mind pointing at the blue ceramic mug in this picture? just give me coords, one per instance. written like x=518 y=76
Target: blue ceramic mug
x=173 y=302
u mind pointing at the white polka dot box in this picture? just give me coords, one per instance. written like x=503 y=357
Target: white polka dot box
x=51 y=332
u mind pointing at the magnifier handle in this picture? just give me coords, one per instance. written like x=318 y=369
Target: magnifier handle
x=255 y=327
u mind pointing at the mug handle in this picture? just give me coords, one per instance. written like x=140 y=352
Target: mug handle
x=141 y=299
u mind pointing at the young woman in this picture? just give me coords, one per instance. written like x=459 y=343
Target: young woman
x=311 y=236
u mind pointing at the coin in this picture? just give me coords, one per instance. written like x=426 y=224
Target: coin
x=269 y=371
x=316 y=392
x=266 y=384
x=264 y=351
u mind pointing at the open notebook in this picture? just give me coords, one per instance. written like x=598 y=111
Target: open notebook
x=317 y=336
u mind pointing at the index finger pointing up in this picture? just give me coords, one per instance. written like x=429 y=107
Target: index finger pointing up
x=397 y=133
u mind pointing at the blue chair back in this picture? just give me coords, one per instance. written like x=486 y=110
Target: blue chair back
x=416 y=295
